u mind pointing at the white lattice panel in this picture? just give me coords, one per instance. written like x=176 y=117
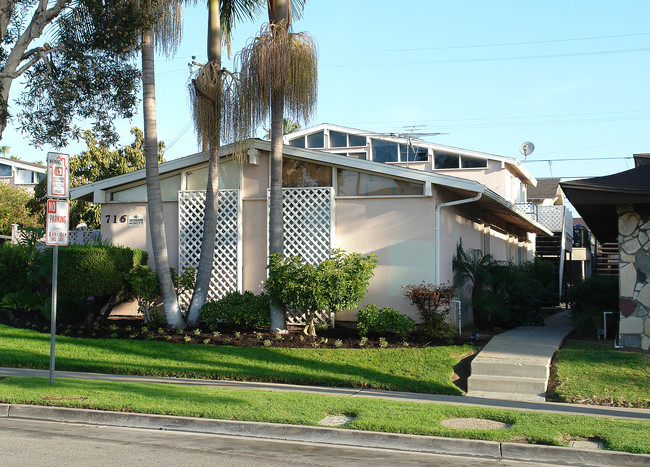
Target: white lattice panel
x=225 y=267
x=307 y=218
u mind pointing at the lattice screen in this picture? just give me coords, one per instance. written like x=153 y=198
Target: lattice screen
x=225 y=269
x=308 y=222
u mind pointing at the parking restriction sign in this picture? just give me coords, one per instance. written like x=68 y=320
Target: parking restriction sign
x=57 y=220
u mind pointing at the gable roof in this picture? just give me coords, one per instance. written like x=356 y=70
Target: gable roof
x=547 y=188
x=463 y=187
x=513 y=164
x=23 y=165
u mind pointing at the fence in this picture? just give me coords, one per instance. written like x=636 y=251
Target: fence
x=75 y=237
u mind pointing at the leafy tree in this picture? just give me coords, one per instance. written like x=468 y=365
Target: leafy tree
x=98 y=162
x=83 y=70
x=336 y=284
x=212 y=99
x=278 y=72
x=13 y=209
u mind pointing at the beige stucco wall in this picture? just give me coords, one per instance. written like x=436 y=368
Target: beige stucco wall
x=400 y=232
x=139 y=237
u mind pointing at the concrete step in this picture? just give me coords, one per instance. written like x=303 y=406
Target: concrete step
x=503 y=367
x=509 y=396
x=506 y=385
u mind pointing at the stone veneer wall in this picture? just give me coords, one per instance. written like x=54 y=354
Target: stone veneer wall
x=634 y=275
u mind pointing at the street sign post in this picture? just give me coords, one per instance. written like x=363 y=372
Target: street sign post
x=58 y=175
x=56 y=227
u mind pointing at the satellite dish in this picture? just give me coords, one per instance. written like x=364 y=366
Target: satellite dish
x=526 y=148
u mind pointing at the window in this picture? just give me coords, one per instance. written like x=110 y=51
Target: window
x=356 y=140
x=338 y=139
x=384 y=151
x=414 y=153
x=353 y=183
x=298 y=142
x=168 y=186
x=472 y=163
x=316 y=140
x=358 y=155
x=444 y=160
x=5 y=170
x=24 y=176
x=197 y=179
x=298 y=174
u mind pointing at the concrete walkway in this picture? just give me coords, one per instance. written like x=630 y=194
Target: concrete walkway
x=515 y=365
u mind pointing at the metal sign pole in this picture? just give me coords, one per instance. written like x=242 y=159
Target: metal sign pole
x=55 y=274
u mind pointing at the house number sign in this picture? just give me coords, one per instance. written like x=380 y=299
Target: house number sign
x=131 y=220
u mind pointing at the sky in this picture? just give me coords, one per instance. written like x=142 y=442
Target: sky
x=571 y=77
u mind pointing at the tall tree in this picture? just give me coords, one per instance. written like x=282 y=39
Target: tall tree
x=167 y=32
x=279 y=73
x=83 y=71
x=212 y=98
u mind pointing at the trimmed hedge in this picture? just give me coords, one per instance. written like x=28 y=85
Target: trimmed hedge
x=93 y=270
x=15 y=263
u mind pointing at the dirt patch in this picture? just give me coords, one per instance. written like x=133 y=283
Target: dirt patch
x=473 y=424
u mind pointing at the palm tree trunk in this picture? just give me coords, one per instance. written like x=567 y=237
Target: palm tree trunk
x=204 y=270
x=276 y=220
x=154 y=197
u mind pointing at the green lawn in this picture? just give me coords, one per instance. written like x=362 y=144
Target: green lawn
x=426 y=370
x=595 y=374
x=308 y=409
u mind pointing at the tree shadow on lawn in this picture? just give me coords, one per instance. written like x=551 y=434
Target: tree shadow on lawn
x=246 y=364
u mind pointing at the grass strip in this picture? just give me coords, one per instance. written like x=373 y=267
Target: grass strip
x=426 y=370
x=307 y=409
x=595 y=374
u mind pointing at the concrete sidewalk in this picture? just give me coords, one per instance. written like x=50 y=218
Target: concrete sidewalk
x=516 y=364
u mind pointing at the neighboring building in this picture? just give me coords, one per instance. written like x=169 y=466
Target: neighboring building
x=617 y=207
x=21 y=173
x=412 y=219
x=545 y=204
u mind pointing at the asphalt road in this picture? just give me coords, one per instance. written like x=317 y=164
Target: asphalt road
x=33 y=443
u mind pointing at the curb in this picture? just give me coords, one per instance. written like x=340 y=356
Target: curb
x=300 y=433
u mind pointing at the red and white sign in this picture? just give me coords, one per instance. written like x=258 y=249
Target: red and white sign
x=57 y=220
x=58 y=175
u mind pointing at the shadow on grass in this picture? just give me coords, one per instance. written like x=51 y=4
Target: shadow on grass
x=411 y=370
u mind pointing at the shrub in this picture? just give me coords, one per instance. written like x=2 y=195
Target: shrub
x=23 y=300
x=93 y=270
x=15 y=266
x=247 y=310
x=382 y=320
x=336 y=284
x=69 y=309
x=431 y=301
x=589 y=299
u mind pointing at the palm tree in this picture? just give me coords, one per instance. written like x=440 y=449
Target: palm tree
x=477 y=268
x=211 y=95
x=167 y=33
x=288 y=126
x=278 y=73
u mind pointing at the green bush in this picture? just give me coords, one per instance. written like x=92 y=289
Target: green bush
x=15 y=264
x=432 y=301
x=93 y=270
x=247 y=310
x=589 y=299
x=69 y=310
x=382 y=320
x=336 y=284
x=23 y=300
